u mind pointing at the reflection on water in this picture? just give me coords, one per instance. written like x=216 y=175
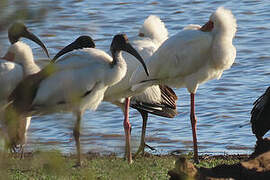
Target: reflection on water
x=22 y=10
x=223 y=106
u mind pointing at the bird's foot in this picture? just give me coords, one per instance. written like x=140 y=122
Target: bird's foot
x=130 y=161
x=128 y=158
x=141 y=149
x=77 y=165
x=21 y=155
x=196 y=160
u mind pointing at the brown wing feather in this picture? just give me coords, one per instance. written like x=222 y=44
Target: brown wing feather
x=25 y=92
x=167 y=108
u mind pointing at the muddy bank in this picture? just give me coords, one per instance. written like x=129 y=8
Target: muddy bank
x=256 y=167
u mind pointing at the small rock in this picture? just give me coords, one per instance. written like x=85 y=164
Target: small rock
x=254 y=169
x=259 y=164
x=183 y=170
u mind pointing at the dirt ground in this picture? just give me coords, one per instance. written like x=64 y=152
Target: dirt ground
x=256 y=167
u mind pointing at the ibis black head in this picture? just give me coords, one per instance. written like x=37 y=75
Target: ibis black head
x=120 y=42
x=18 y=30
x=80 y=43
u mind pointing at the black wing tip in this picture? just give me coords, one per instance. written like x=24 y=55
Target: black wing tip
x=168 y=90
x=169 y=97
x=166 y=108
x=156 y=109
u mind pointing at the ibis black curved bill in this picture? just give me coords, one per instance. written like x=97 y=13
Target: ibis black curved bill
x=80 y=43
x=27 y=34
x=133 y=51
x=18 y=30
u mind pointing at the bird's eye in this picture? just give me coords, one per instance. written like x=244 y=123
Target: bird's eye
x=141 y=34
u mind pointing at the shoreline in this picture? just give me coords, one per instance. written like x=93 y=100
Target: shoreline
x=54 y=165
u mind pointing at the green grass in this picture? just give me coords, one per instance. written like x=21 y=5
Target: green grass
x=53 y=165
x=211 y=162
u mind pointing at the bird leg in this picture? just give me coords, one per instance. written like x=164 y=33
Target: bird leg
x=259 y=138
x=21 y=151
x=13 y=149
x=76 y=134
x=144 y=115
x=193 y=120
x=127 y=128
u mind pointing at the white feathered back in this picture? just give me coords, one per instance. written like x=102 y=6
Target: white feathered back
x=155 y=29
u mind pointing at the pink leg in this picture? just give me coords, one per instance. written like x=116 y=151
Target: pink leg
x=127 y=128
x=193 y=121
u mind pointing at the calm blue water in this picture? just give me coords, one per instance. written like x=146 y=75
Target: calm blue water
x=223 y=106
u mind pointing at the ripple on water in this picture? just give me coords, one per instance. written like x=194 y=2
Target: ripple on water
x=223 y=106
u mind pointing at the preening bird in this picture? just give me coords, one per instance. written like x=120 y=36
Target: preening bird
x=260 y=115
x=76 y=82
x=192 y=57
x=17 y=63
x=157 y=99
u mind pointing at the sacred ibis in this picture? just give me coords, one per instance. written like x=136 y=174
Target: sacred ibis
x=17 y=63
x=157 y=99
x=75 y=82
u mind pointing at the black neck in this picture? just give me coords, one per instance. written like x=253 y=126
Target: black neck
x=115 y=56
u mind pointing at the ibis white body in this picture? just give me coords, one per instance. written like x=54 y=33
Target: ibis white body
x=151 y=35
x=77 y=81
x=12 y=72
x=10 y=75
x=77 y=73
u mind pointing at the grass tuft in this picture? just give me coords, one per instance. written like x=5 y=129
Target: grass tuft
x=52 y=165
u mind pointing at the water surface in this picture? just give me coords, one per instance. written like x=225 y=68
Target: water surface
x=223 y=106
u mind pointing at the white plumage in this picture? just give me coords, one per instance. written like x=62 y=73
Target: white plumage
x=192 y=57
x=12 y=72
x=10 y=75
x=154 y=29
x=78 y=72
x=151 y=35
x=77 y=81
x=17 y=63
